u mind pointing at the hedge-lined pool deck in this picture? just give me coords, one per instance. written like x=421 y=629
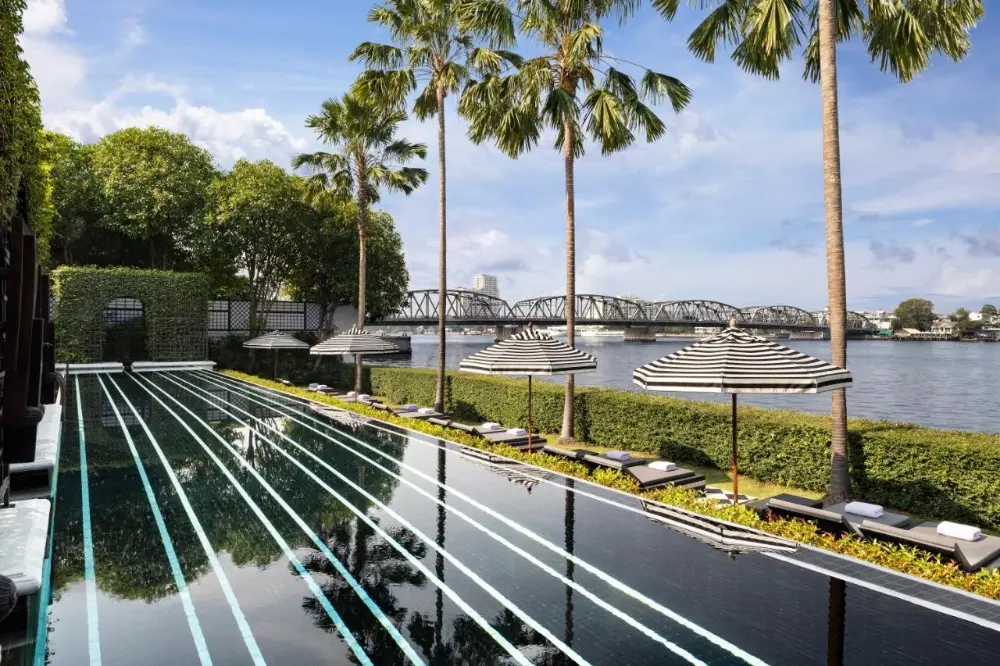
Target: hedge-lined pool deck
x=204 y=520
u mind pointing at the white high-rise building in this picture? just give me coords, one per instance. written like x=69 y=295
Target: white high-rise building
x=486 y=284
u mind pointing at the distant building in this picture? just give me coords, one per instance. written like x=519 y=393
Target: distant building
x=486 y=284
x=907 y=333
x=975 y=316
x=944 y=326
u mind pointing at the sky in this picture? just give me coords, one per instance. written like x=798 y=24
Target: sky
x=728 y=206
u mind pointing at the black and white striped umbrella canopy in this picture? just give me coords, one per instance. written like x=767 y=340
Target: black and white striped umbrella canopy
x=355 y=341
x=275 y=340
x=529 y=353
x=735 y=361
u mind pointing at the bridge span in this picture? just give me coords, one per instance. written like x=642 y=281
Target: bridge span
x=472 y=308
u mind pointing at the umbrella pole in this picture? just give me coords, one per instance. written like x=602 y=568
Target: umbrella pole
x=529 y=413
x=736 y=472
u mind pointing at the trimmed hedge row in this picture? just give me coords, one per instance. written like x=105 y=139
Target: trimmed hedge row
x=889 y=555
x=175 y=308
x=947 y=474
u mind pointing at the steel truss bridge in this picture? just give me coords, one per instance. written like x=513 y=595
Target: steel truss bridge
x=471 y=308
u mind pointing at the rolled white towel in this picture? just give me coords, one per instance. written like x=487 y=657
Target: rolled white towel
x=864 y=509
x=314 y=386
x=959 y=531
x=352 y=394
x=521 y=432
x=663 y=465
x=322 y=387
x=489 y=426
x=408 y=408
x=364 y=396
x=426 y=410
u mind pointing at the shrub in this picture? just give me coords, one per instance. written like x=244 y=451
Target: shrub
x=947 y=474
x=175 y=309
x=892 y=556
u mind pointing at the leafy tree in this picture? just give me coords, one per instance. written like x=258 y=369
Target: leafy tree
x=155 y=187
x=254 y=224
x=901 y=36
x=915 y=313
x=559 y=89
x=367 y=158
x=75 y=195
x=324 y=268
x=429 y=48
x=989 y=313
x=965 y=323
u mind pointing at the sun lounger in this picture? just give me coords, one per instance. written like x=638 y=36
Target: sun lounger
x=594 y=459
x=510 y=439
x=442 y=421
x=828 y=521
x=854 y=520
x=970 y=555
x=416 y=414
x=648 y=477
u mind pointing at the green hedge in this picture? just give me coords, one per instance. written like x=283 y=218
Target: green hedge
x=175 y=307
x=21 y=169
x=945 y=474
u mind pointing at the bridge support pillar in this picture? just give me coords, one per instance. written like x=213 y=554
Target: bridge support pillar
x=639 y=334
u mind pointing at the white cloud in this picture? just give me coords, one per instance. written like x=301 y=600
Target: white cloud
x=56 y=65
x=42 y=17
x=133 y=37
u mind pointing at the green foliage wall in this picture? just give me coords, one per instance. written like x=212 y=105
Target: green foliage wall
x=175 y=307
x=944 y=474
x=21 y=169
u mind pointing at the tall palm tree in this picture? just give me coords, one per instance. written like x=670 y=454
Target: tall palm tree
x=901 y=36
x=430 y=49
x=367 y=157
x=559 y=90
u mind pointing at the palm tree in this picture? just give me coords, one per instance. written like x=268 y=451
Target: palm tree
x=559 y=90
x=430 y=49
x=901 y=37
x=366 y=158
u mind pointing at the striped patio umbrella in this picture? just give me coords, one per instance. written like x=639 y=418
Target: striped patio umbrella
x=529 y=353
x=734 y=361
x=357 y=342
x=275 y=341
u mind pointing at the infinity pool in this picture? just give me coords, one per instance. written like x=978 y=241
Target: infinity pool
x=202 y=520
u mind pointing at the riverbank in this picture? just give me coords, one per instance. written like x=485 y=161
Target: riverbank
x=985 y=583
x=952 y=475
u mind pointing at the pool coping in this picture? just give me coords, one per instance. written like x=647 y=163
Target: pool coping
x=979 y=610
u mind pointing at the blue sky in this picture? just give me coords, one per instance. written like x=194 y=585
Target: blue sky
x=728 y=206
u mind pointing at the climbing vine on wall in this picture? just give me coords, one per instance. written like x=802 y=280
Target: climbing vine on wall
x=175 y=307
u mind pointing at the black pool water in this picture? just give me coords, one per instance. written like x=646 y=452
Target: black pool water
x=204 y=521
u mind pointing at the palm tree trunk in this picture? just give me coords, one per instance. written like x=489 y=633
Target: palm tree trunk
x=362 y=271
x=840 y=480
x=568 y=141
x=442 y=255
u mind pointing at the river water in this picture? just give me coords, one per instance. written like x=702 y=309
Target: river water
x=951 y=385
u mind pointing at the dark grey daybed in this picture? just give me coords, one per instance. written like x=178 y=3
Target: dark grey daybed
x=832 y=519
x=970 y=555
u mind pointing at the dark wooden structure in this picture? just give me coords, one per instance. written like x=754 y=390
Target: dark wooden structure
x=27 y=365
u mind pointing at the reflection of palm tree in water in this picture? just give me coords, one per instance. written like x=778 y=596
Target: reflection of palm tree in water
x=379 y=568
x=470 y=645
x=836 y=611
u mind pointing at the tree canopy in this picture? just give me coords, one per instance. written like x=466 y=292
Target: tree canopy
x=254 y=223
x=325 y=269
x=915 y=313
x=154 y=184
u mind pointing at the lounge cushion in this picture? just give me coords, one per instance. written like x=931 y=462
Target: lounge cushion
x=649 y=477
x=854 y=520
x=975 y=553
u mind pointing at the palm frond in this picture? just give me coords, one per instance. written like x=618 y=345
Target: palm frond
x=579 y=147
x=666 y=8
x=492 y=20
x=658 y=87
x=771 y=34
x=390 y=87
x=724 y=26
x=402 y=151
x=559 y=105
x=607 y=121
x=425 y=105
x=377 y=56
